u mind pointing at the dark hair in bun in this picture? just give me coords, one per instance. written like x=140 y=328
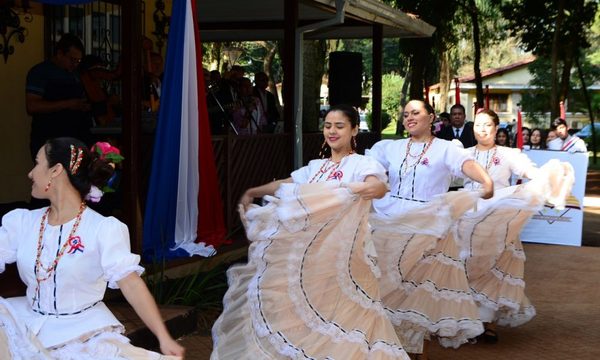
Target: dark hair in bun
x=88 y=169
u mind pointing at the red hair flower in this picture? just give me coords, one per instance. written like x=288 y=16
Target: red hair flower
x=107 y=152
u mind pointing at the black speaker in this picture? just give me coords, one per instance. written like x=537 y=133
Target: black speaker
x=345 y=78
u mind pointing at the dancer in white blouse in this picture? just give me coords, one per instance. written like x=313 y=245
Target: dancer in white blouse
x=66 y=255
x=500 y=162
x=309 y=290
x=424 y=287
x=489 y=237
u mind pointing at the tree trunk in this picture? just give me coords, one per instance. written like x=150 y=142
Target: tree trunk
x=586 y=96
x=314 y=68
x=565 y=78
x=271 y=48
x=214 y=56
x=445 y=79
x=417 y=71
x=554 y=95
x=403 y=96
x=474 y=12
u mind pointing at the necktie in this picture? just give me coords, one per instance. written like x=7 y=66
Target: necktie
x=457 y=134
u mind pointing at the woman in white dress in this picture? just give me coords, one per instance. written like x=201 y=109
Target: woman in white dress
x=309 y=290
x=423 y=285
x=66 y=255
x=495 y=259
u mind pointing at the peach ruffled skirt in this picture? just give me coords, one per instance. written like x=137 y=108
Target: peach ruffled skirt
x=492 y=248
x=308 y=290
x=17 y=342
x=424 y=286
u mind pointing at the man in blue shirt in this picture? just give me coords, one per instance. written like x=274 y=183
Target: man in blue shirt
x=55 y=97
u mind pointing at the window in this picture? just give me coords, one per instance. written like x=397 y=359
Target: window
x=498 y=102
x=97 y=24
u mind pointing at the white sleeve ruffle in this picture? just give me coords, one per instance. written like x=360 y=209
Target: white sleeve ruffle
x=380 y=152
x=12 y=224
x=300 y=176
x=368 y=166
x=519 y=162
x=115 y=252
x=455 y=158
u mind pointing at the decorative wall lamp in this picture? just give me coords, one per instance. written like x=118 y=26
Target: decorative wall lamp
x=10 y=25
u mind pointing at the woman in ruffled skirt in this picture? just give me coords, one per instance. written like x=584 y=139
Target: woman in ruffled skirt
x=423 y=283
x=489 y=236
x=309 y=289
x=66 y=255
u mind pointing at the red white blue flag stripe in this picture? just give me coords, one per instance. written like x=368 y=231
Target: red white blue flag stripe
x=183 y=215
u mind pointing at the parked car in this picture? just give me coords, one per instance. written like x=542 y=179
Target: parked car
x=586 y=131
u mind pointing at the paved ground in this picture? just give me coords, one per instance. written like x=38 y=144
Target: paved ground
x=562 y=282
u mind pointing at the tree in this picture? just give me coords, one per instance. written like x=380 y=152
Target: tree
x=556 y=30
x=480 y=12
x=423 y=54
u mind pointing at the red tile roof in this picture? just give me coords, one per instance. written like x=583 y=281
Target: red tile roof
x=500 y=70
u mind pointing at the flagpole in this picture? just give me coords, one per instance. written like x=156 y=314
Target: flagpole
x=519 y=128
x=456 y=91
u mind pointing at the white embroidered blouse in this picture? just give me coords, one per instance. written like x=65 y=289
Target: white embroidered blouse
x=352 y=168
x=501 y=163
x=68 y=304
x=416 y=177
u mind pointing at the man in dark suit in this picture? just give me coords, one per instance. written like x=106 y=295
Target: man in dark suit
x=458 y=129
x=267 y=100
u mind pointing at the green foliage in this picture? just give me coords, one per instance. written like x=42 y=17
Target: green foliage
x=534 y=21
x=594 y=55
x=536 y=101
x=390 y=88
x=424 y=55
x=252 y=58
x=203 y=290
x=385 y=120
x=390 y=102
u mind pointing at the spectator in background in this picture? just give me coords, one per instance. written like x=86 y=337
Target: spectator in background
x=565 y=141
x=94 y=76
x=526 y=134
x=459 y=129
x=550 y=135
x=445 y=118
x=442 y=122
x=537 y=139
x=152 y=90
x=502 y=137
x=249 y=116
x=267 y=100
x=55 y=97
x=223 y=98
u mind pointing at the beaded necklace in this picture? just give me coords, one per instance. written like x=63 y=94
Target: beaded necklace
x=419 y=156
x=489 y=160
x=50 y=270
x=326 y=167
x=405 y=164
